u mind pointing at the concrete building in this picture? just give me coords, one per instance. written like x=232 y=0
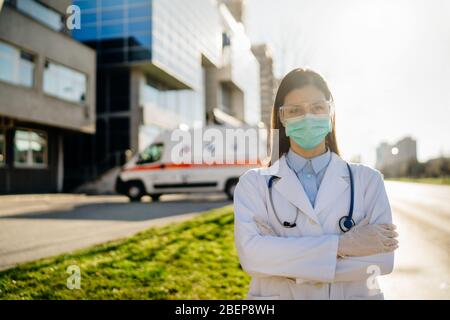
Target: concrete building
x=236 y=8
x=393 y=154
x=162 y=65
x=47 y=93
x=233 y=88
x=268 y=83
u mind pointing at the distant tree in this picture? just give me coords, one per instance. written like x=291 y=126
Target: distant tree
x=439 y=167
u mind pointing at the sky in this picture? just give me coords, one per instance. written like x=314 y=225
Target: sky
x=387 y=64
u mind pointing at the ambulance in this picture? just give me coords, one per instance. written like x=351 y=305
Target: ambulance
x=208 y=159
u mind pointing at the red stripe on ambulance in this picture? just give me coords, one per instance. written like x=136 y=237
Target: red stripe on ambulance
x=159 y=166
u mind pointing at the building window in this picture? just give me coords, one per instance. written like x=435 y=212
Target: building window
x=226 y=104
x=41 y=13
x=30 y=148
x=2 y=148
x=16 y=66
x=226 y=41
x=64 y=83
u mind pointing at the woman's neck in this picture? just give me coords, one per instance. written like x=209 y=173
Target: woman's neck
x=320 y=149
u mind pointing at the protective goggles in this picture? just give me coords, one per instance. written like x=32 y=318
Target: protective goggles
x=319 y=108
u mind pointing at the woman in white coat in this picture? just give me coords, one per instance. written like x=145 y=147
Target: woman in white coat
x=287 y=230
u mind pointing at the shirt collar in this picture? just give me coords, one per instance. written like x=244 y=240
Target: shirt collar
x=297 y=162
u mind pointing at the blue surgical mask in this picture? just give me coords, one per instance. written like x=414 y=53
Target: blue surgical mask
x=308 y=131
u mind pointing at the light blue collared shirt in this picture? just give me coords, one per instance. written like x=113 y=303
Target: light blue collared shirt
x=310 y=172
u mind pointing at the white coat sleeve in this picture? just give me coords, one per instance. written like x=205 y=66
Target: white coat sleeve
x=308 y=258
x=376 y=203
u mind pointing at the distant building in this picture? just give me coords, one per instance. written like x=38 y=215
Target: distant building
x=236 y=8
x=47 y=94
x=277 y=83
x=403 y=151
x=267 y=81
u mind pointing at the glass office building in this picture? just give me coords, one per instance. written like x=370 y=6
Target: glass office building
x=151 y=56
x=170 y=34
x=159 y=65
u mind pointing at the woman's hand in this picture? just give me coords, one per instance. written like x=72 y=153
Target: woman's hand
x=362 y=240
x=368 y=239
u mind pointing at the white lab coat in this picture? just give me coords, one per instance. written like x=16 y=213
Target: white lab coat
x=301 y=262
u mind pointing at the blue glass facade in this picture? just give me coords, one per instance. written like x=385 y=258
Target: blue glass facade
x=120 y=30
x=173 y=35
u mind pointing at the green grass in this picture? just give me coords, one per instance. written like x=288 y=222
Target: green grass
x=196 y=259
x=440 y=180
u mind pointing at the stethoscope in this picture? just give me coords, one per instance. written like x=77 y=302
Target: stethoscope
x=345 y=223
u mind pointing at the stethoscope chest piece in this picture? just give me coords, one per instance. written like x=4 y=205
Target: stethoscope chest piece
x=346 y=223
x=288 y=224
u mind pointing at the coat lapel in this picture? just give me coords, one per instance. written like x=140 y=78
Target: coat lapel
x=332 y=187
x=290 y=187
x=333 y=183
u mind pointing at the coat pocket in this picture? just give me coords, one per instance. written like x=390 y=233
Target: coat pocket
x=378 y=296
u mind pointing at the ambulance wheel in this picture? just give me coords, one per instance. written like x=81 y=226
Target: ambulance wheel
x=135 y=191
x=229 y=188
x=155 y=197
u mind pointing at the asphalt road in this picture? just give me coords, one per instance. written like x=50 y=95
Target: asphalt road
x=422 y=263
x=32 y=227
x=36 y=226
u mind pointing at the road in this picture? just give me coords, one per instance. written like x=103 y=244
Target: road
x=32 y=227
x=422 y=263
x=36 y=226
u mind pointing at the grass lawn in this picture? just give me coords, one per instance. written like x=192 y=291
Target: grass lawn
x=188 y=260
x=440 y=180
